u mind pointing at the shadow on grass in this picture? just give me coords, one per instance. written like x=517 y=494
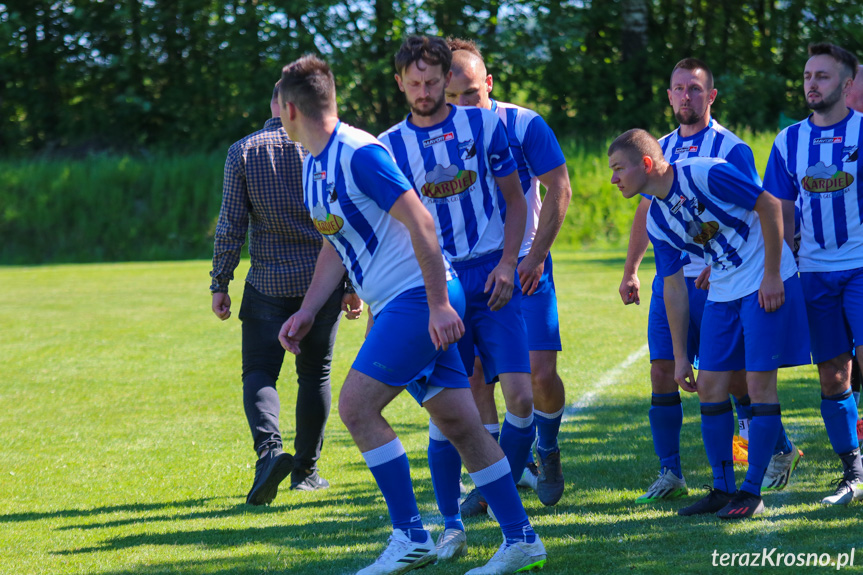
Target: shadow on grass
x=127 y=508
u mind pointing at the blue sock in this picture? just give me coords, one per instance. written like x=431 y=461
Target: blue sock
x=666 y=421
x=494 y=430
x=717 y=430
x=445 y=466
x=516 y=437
x=743 y=406
x=783 y=444
x=496 y=485
x=766 y=425
x=389 y=466
x=839 y=413
x=547 y=428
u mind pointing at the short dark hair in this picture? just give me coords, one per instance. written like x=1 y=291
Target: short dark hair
x=693 y=64
x=841 y=55
x=636 y=144
x=456 y=44
x=309 y=84
x=276 y=90
x=430 y=49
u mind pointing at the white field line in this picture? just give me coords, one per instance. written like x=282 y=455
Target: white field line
x=609 y=377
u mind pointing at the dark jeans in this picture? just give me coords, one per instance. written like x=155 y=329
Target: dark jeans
x=262 y=317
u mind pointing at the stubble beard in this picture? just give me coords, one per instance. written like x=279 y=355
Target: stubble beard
x=430 y=111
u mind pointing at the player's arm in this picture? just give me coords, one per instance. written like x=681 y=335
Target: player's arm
x=677 y=308
x=329 y=272
x=782 y=185
x=502 y=277
x=445 y=325
x=771 y=294
x=230 y=235
x=638 y=243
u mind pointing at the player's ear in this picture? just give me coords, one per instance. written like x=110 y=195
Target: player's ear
x=489 y=82
x=447 y=78
x=670 y=103
x=712 y=97
x=647 y=162
x=399 y=82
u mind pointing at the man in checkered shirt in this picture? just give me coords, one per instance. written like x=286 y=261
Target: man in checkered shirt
x=263 y=195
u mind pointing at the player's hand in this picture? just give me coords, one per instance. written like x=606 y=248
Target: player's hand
x=529 y=274
x=295 y=329
x=771 y=294
x=684 y=376
x=445 y=326
x=703 y=279
x=502 y=277
x=352 y=305
x=629 y=290
x=222 y=305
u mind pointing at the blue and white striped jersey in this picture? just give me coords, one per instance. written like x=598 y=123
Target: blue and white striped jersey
x=349 y=188
x=536 y=151
x=818 y=169
x=452 y=166
x=709 y=213
x=714 y=141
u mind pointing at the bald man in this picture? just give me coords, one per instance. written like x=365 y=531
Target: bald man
x=540 y=161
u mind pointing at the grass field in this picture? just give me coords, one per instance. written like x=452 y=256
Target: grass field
x=124 y=447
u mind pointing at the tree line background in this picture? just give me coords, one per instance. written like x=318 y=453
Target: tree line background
x=177 y=75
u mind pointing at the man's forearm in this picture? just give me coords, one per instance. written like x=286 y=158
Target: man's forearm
x=329 y=272
x=770 y=214
x=638 y=239
x=553 y=213
x=676 y=298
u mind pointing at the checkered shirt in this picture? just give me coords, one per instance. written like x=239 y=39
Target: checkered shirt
x=262 y=194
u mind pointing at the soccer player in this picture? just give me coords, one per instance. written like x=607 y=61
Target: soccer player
x=691 y=95
x=540 y=160
x=708 y=208
x=454 y=157
x=814 y=163
x=377 y=229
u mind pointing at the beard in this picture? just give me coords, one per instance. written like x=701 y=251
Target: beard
x=826 y=102
x=686 y=117
x=435 y=108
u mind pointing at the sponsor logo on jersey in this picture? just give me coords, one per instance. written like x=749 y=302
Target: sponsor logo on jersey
x=849 y=154
x=443 y=182
x=823 y=179
x=678 y=204
x=466 y=150
x=438 y=139
x=686 y=150
x=830 y=140
x=327 y=224
x=320 y=176
x=702 y=232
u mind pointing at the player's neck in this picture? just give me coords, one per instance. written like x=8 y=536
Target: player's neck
x=315 y=136
x=829 y=117
x=689 y=130
x=661 y=180
x=429 y=121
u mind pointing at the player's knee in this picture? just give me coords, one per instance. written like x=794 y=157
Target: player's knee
x=352 y=415
x=662 y=376
x=544 y=377
x=834 y=375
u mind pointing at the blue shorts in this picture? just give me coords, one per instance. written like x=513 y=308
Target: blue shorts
x=540 y=313
x=834 y=303
x=739 y=334
x=658 y=332
x=500 y=336
x=398 y=350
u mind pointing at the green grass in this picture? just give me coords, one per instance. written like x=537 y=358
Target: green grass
x=124 y=447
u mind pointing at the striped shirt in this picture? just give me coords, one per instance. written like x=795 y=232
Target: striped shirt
x=818 y=169
x=262 y=194
x=714 y=141
x=452 y=165
x=349 y=189
x=536 y=151
x=709 y=212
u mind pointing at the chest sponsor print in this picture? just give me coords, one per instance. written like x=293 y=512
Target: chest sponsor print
x=327 y=224
x=444 y=182
x=823 y=179
x=701 y=232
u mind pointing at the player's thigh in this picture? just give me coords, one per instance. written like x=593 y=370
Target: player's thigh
x=721 y=341
x=828 y=329
x=541 y=315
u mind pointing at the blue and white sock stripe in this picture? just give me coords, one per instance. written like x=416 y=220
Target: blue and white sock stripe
x=491 y=473
x=385 y=453
x=492 y=427
x=435 y=432
x=545 y=415
x=520 y=422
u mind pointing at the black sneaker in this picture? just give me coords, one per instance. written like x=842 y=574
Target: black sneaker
x=474 y=504
x=743 y=504
x=270 y=470
x=715 y=500
x=309 y=482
